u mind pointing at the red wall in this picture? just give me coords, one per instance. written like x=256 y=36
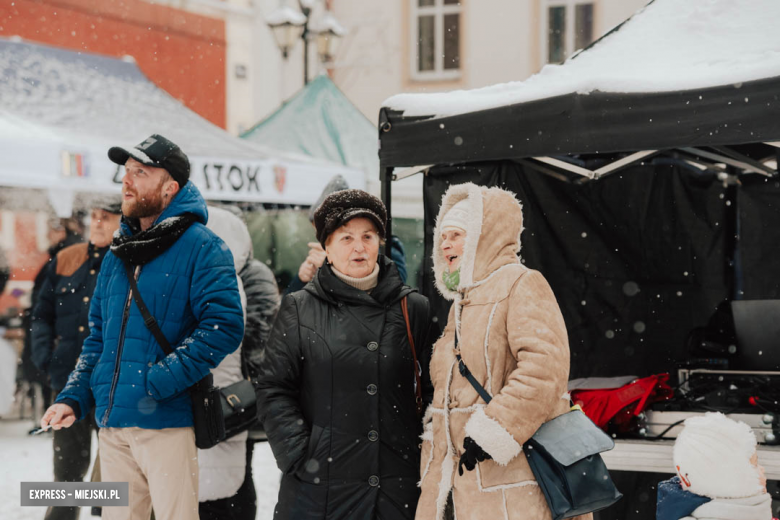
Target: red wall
x=181 y=52
x=24 y=258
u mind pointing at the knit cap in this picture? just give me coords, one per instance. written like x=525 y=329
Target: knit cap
x=712 y=457
x=457 y=216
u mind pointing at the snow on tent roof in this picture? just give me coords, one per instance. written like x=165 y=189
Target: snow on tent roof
x=97 y=97
x=670 y=45
x=587 y=106
x=60 y=112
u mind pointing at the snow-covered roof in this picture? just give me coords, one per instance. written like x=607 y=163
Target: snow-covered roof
x=670 y=45
x=286 y=14
x=91 y=97
x=327 y=23
x=60 y=112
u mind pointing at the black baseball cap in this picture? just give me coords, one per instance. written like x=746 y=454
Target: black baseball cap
x=158 y=152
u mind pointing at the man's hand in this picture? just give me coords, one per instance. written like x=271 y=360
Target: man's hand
x=313 y=262
x=317 y=255
x=472 y=453
x=58 y=416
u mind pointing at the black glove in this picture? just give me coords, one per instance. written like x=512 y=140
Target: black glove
x=472 y=453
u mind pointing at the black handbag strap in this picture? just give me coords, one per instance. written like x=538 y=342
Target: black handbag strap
x=465 y=372
x=149 y=320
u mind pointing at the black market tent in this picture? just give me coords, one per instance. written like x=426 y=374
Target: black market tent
x=593 y=123
x=675 y=74
x=61 y=110
x=646 y=165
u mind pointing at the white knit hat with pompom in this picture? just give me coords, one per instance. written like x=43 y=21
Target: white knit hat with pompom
x=457 y=216
x=712 y=457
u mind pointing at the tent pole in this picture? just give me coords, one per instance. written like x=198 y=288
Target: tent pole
x=386 y=180
x=719 y=157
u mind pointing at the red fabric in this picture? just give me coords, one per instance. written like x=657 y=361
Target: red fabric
x=622 y=405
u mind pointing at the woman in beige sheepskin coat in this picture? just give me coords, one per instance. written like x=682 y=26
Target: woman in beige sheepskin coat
x=513 y=339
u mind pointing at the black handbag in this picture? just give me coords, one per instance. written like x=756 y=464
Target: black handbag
x=239 y=407
x=564 y=458
x=207 y=407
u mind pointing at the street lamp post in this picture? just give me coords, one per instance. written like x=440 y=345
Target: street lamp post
x=287 y=25
x=306 y=10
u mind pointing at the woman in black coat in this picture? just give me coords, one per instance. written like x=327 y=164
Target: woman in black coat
x=338 y=388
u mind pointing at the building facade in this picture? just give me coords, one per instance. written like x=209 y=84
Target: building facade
x=181 y=51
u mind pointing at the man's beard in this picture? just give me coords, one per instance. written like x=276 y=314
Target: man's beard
x=141 y=207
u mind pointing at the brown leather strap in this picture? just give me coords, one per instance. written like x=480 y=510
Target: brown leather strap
x=417 y=378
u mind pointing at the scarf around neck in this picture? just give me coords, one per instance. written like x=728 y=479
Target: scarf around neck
x=364 y=284
x=451 y=280
x=757 y=507
x=144 y=246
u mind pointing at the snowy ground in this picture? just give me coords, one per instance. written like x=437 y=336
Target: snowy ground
x=25 y=458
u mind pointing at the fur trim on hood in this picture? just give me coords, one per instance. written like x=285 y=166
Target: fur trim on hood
x=493 y=209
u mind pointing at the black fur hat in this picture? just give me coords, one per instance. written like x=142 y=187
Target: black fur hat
x=342 y=206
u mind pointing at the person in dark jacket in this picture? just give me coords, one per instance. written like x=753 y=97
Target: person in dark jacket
x=339 y=383
x=59 y=327
x=186 y=277
x=61 y=234
x=262 y=303
x=5 y=271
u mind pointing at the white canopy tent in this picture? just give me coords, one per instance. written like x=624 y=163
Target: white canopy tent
x=61 y=110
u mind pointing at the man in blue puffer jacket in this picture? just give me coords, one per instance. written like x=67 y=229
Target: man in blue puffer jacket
x=187 y=279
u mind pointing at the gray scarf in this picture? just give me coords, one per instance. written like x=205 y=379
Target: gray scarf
x=757 y=507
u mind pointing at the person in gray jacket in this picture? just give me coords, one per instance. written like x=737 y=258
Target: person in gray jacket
x=227 y=490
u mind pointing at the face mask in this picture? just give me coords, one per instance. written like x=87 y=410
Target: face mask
x=451 y=280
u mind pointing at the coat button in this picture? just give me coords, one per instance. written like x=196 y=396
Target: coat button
x=373 y=436
x=64 y=289
x=371 y=389
x=92 y=271
x=373 y=481
x=97 y=255
x=86 y=299
x=81 y=328
x=372 y=346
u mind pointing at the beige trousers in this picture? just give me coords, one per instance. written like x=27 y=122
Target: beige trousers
x=161 y=467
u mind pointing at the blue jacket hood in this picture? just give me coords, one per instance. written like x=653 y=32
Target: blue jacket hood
x=188 y=200
x=674 y=502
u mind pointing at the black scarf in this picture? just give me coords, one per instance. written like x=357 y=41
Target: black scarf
x=144 y=246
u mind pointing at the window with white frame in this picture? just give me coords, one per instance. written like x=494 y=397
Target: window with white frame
x=569 y=25
x=435 y=39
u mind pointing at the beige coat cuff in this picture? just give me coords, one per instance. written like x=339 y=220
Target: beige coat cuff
x=492 y=437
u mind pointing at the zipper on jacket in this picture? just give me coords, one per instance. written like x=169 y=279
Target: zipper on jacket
x=120 y=345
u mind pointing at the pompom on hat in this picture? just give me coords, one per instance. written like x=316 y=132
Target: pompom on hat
x=712 y=457
x=342 y=206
